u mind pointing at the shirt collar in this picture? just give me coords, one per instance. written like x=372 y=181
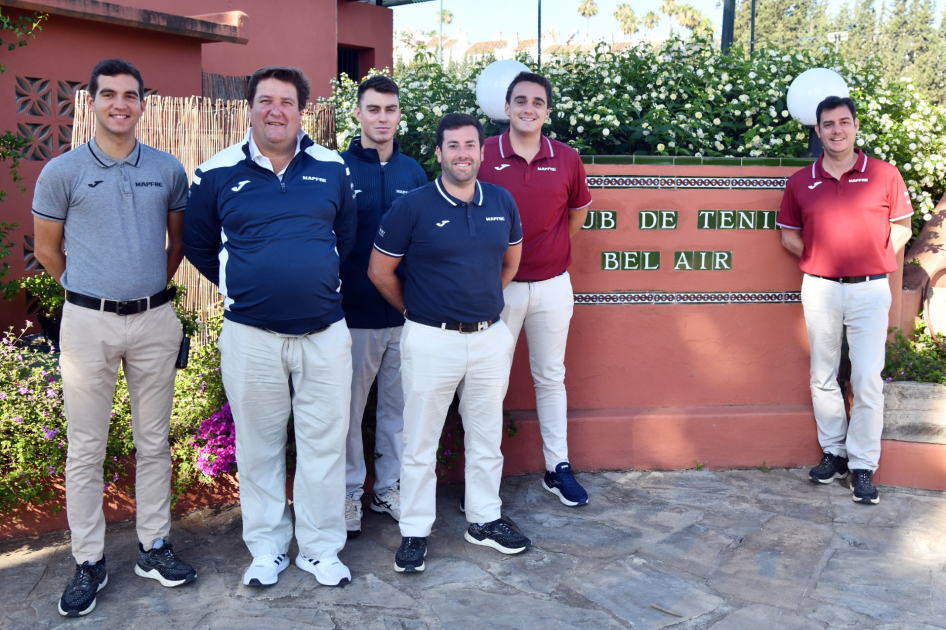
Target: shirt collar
x=818 y=172
x=133 y=159
x=369 y=155
x=505 y=147
x=453 y=201
x=255 y=154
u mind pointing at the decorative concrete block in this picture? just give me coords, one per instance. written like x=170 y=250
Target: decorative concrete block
x=915 y=412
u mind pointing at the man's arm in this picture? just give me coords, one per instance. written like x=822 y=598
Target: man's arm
x=381 y=272
x=201 y=234
x=175 y=246
x=900 y=233
x=511 y=263
x=792 y=241
x=576 y=219
x=48 y=252
x=346 y=220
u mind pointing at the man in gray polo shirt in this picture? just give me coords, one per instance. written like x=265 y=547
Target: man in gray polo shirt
x=116 y=206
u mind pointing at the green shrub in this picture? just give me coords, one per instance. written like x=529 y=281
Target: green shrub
x=922 y=359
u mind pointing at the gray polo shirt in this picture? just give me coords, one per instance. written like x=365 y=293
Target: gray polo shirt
x=115 y=214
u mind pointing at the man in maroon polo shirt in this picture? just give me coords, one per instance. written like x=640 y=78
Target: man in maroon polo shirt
x=547 y=180
x=847 y=217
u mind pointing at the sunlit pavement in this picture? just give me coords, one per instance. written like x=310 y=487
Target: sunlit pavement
x=689 y=550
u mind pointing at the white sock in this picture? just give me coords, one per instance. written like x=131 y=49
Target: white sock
x=157 y=544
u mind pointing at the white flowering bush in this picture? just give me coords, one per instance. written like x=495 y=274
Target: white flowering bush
x=685 y=98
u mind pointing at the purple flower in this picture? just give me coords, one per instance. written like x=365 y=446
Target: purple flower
x=115 y=478
x=51 y=433
x=52 y=470
x=18 y=419
x=2 y=395
x=50 y=393
x=23 y=391
x=52 y=379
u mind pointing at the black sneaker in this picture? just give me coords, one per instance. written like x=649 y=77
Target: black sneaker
x=162 y=565
x=410 y=556
x=831 y=467
x=862 y=487
x=500 y=534
x=79 y=597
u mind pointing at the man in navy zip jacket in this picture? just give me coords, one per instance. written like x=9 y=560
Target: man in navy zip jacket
x=380 y=174
x=269 y=221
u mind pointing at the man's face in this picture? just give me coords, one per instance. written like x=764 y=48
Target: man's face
x=117 y=104
x=275 y=115
x=838 y=130
x=528 y=108
x=461 y=154
x=379 y=114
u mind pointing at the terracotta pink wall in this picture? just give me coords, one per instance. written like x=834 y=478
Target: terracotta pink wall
x=40 y=78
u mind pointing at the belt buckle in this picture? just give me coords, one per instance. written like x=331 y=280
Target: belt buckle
x=125 y=308
x=480 y=326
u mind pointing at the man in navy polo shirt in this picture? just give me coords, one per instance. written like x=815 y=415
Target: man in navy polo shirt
x=547 y=180
x=847 y=217
x=461 y=242
x=381 y=174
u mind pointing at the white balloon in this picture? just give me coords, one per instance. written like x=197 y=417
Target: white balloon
x=492 y=84
x=810 y=88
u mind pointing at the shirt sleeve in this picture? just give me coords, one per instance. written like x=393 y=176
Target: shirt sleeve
x=900 y=205
x=202 y=228
x=579 y=197
x=177 y=200
x=515 y=229
x=346 y=220
x=789 y=214
x=52 y=194
x=394 y=234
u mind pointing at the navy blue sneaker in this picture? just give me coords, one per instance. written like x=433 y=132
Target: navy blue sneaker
x=563 y=484
x=79 y=596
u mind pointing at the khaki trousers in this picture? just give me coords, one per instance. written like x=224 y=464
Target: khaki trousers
x=94 y=344
x=257 y=366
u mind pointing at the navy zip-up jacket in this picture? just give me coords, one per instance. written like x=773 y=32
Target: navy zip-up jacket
x=273 y=247
x=376 y=188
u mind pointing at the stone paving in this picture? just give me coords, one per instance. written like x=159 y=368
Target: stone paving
x=735 y=550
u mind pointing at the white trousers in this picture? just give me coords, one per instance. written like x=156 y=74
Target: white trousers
x=544 y=309
x=435 y=363
x=375 y=352
x=257 y=366
x=863 y=308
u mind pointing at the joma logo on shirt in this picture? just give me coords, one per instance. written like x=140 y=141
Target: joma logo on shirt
x=158 y=184
x=495 y=218
x=309 y=178
x=546 y=168
x=854 y=181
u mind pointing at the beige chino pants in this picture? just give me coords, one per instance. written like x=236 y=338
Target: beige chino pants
x=94 y=345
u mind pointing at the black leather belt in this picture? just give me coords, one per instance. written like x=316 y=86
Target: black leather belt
x=122 y=307
x=305 y=334
x=463 y=327
x=851 y=279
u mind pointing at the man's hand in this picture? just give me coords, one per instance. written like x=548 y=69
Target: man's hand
x=175 y=246
x=381 y=272
x=791 y=240
x=49 y=246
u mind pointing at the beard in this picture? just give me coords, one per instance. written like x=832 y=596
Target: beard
x=460 y=177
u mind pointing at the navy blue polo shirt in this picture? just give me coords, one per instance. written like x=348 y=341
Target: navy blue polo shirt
x=453 y=250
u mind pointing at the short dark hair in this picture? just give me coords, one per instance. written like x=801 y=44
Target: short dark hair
x=457 y=121
x=531 y=77
x=286 y=74
x=833 y=102
x=378 y=83
x=113 y=68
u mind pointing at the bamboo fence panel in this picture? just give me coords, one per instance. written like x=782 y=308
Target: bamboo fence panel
x=193 y=129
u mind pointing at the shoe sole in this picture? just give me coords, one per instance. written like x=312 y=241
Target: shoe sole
x=411 y=568
x=462 y=508
x=827 y=481
x=154 y=574
x=257 y=582
x=80 y=613
x=864 y=500
x=378 y=509
x=308 y=567
x=353 y=533
x=561 y=497
x=489 y=542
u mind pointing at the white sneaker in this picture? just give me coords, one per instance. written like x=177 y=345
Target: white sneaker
x=353 y=516
x=327 y=571
x=265 y=570
x=389 y=502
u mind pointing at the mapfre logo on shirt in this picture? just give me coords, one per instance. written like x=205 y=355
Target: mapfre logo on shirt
x=310 y=178
x=857 y=181
x=545 y=168
x=495 y=218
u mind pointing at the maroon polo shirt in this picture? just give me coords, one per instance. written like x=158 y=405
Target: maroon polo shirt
x=845 y=224
x=544 y=190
